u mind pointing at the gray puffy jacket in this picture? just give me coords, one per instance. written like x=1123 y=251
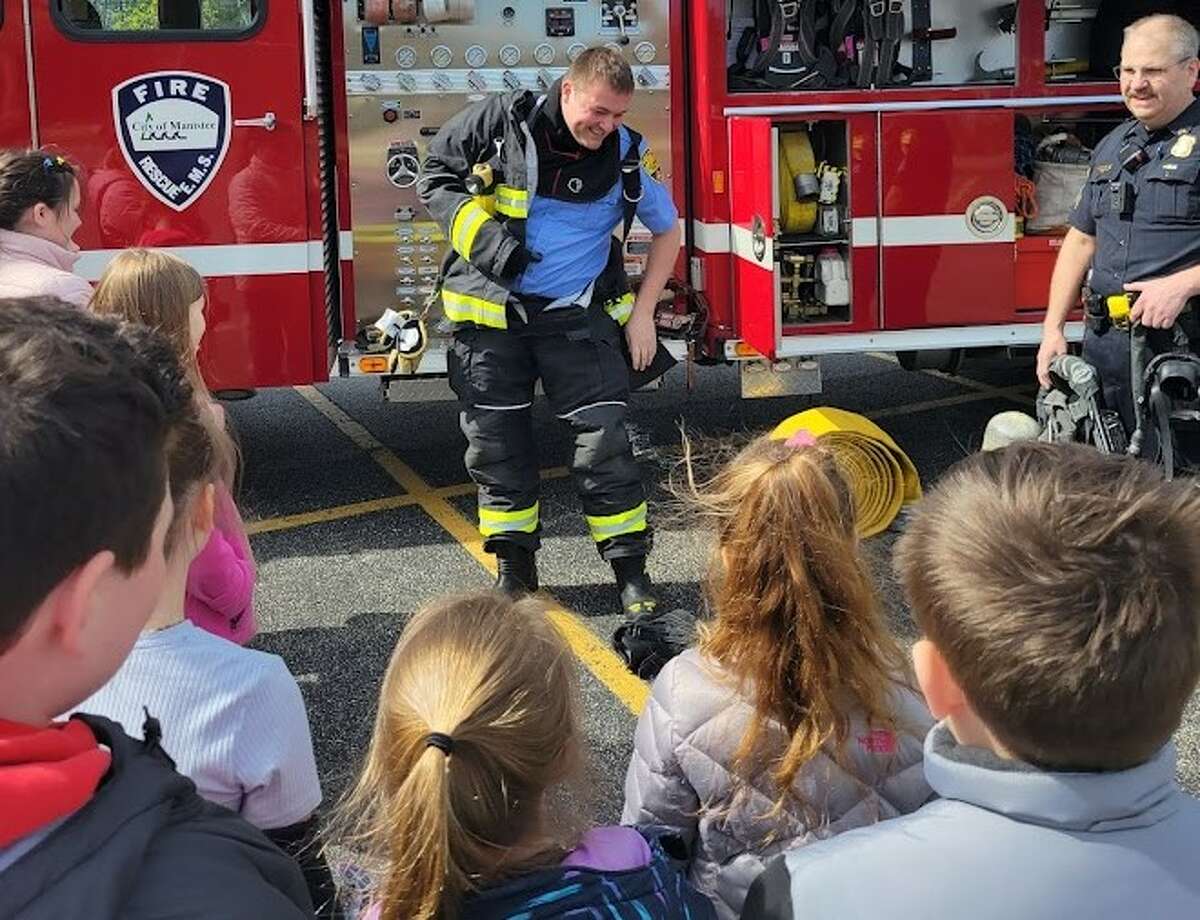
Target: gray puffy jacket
x=681 y=777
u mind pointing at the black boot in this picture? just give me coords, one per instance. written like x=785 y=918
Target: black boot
x=637 y=593
x=516 y=570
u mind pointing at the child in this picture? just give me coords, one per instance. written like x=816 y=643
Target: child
x=159 y=290
x=1056 y=588
x=39 y=214
x=477 y=725
x=93 y=823
x=790 y=721
x=232 y=718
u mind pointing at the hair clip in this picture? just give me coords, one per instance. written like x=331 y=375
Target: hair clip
x=52 y=164
x=802 y=438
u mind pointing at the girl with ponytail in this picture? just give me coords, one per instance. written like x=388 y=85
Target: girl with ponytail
x=794 y=719
x=451 y=815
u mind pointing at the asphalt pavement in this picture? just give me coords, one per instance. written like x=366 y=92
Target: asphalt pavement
x=361 y=511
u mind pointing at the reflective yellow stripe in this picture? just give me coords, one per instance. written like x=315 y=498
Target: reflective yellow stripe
x=463 y=308
x=465 y=227
x=512 y=202
x=620 y=309
x=605 y=526
x=492 y=522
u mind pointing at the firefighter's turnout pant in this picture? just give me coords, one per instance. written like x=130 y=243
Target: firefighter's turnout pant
x=577 y=355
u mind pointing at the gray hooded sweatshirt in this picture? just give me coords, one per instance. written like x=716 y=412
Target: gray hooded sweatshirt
x=1005 y=841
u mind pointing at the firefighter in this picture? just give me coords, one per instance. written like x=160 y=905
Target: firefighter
x=1137 y=220
x=529 y=191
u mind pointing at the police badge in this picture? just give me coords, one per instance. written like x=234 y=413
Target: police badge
x=173 y=128
x=1183 y=146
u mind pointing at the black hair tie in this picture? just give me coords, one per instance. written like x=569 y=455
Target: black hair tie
x=442 y=742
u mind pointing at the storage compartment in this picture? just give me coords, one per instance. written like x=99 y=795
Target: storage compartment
x=774 y=46
x=1035 y=264
x=1083 y=37
x=947 y=225
x=804 y=230
x=812 y=231
x=1051 y=152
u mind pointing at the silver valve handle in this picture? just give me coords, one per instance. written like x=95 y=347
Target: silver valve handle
x=619 y=12
x=267 y=122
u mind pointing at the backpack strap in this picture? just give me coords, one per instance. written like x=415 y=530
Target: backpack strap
x=631 y=182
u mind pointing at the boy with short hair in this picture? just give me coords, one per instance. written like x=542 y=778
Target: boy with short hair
x=92 y=822
x=1056 y=588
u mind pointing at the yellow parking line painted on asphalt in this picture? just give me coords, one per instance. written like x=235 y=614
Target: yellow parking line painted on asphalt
x=1013 y=393
x=469 y=488
x=458 y=491
x=587 y=646
x=1017 y=393
x=357 y=509
x=324 y=515
x=958 y=400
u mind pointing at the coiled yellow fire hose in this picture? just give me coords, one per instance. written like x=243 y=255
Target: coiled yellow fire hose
x=795 y=157
x=881 y=476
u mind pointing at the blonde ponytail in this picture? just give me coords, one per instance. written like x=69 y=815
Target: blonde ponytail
x=418 y=871
x=477 y=720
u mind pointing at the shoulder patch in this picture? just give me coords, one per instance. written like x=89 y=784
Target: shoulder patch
x=650 y=164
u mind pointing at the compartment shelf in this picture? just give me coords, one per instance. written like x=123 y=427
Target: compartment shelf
x=805 y=240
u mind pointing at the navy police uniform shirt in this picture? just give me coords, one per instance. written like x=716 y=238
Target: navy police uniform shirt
x=1159 y=232
x=573 y=237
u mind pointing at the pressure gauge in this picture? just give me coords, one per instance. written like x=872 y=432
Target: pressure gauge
x=371 y=82
x=510 y=55
x=544 y=53
x=406 y=56
x=645 y=52
x=441 y=56
x=574 y=50
x=476 y=56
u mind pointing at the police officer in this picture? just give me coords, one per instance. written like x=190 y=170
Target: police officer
x=1137 y=221
x=529 y=191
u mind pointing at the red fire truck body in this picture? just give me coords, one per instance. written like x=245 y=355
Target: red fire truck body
x=277 y=155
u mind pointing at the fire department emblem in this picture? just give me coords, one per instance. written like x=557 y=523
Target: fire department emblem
x=173 y=128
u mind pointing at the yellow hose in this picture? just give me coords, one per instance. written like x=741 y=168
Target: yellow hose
x=795 y=157
x=881 y=476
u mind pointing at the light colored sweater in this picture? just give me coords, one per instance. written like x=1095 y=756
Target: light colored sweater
x=33 y=267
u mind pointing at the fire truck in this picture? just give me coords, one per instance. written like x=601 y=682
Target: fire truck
x=846 y=171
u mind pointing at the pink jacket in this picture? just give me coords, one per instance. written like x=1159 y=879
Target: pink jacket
x=31 y=266
x=220 y=583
